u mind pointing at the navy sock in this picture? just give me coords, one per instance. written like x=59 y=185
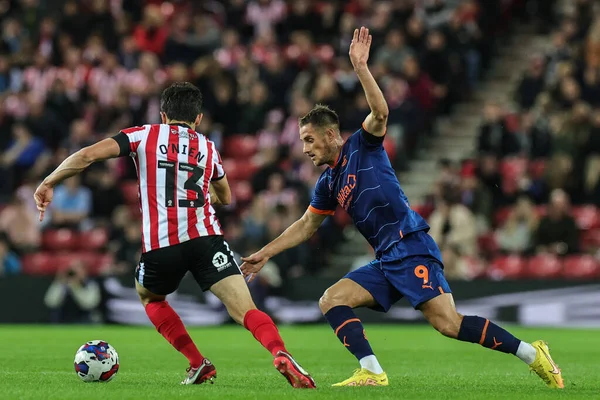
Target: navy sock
x=475 y=329
x=349 y=330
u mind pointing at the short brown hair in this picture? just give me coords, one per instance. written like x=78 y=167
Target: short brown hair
x=321 y=116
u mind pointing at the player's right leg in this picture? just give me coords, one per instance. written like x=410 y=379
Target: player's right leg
x=235 y=295
x=216 y=270
x=355 y=290
x=441 y=313
x=158 y=275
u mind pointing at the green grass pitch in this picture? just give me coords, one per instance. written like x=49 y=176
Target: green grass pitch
x=37 y=363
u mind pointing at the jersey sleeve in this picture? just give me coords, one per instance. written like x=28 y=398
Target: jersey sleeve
x=323 y=201
x=218 y=171
x=369 y=140
x=129 y=139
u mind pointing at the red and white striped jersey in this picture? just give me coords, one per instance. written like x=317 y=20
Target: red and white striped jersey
x=175 y=166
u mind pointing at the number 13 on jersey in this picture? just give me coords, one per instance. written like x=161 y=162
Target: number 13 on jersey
x=172 y=169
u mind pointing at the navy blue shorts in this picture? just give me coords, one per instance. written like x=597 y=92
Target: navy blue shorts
x=418 y=278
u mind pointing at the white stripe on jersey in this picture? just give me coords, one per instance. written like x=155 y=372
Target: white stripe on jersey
x=182 y=212
x=204 y=164
x=143 y=183
x=161 y=188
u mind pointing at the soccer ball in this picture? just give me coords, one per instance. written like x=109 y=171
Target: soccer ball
x=96 y=361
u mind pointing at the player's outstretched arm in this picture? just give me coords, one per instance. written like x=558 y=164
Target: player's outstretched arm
x=297 y=233
x=74 y=164
x=376 y=121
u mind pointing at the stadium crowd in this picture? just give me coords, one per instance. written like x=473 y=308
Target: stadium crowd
x=528 y=202
x=73 y=72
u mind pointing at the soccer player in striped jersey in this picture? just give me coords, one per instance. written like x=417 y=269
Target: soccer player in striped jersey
x=408 y=262
x=180 y=177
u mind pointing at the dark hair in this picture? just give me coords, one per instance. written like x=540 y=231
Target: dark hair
x=181 y=101
x=321 y=116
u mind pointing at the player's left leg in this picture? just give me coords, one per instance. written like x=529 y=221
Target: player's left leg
x=235 y=295
x=157 y=275
x=364 y=287
x=170 y=326
x=441 y=313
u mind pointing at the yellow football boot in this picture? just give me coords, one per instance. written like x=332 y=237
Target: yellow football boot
x=364 y=377
x=545 y=367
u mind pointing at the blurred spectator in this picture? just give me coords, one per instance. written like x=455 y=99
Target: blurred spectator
x=97 y=66
x=557 y=232
x=106 y=195
x=494 y=137
x=19 y=222
x=72 y=204
x=393 y=53
x=454 y=228
x=151 y=34
x=517 y=234
x=19 y=157
x=73 y=297
x=532 y=84
x=9 y=261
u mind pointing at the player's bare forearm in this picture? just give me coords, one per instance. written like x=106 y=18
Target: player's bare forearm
x=376 y=121
x=299 y=232
x=214 y=197
x=359 y=55
x=375 y=98
x=294 y=235
x=78 y=161
x=72 y=166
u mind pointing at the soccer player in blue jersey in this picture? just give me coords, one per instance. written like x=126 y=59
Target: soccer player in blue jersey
x=408 y=262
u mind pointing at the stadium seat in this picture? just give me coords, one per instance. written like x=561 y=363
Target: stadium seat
x=130 y=192
x=506 y=267
x=512 y=122
x=540 y=211
x=423 y=210
x=35 y=264
x=590 y=240
x=476 y=267
x=586 y=217
x=95 y=262
x=240 y=146
x=501 y=215
x=390 y=148
x=63 y=260
x=537 y=169
x=543 y=266
x=94 y=239
x=59 y=240
x=241 y=191
x=581 y=267
x=513 y=167
x=487 y=243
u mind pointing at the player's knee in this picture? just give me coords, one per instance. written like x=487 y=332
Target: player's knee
x=332 y=298
x=447 y=325
x=239 y=311
x=145 y=299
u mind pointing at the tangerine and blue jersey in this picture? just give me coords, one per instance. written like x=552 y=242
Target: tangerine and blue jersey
x=363 y=182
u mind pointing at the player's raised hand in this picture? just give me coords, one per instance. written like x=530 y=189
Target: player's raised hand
x=43 y=197
x=253 y=264
x=360 y=46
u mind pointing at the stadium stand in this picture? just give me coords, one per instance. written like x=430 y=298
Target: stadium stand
x=79 y=71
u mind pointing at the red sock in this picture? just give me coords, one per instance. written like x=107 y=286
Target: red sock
x=264 y=330
x=168 y=324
